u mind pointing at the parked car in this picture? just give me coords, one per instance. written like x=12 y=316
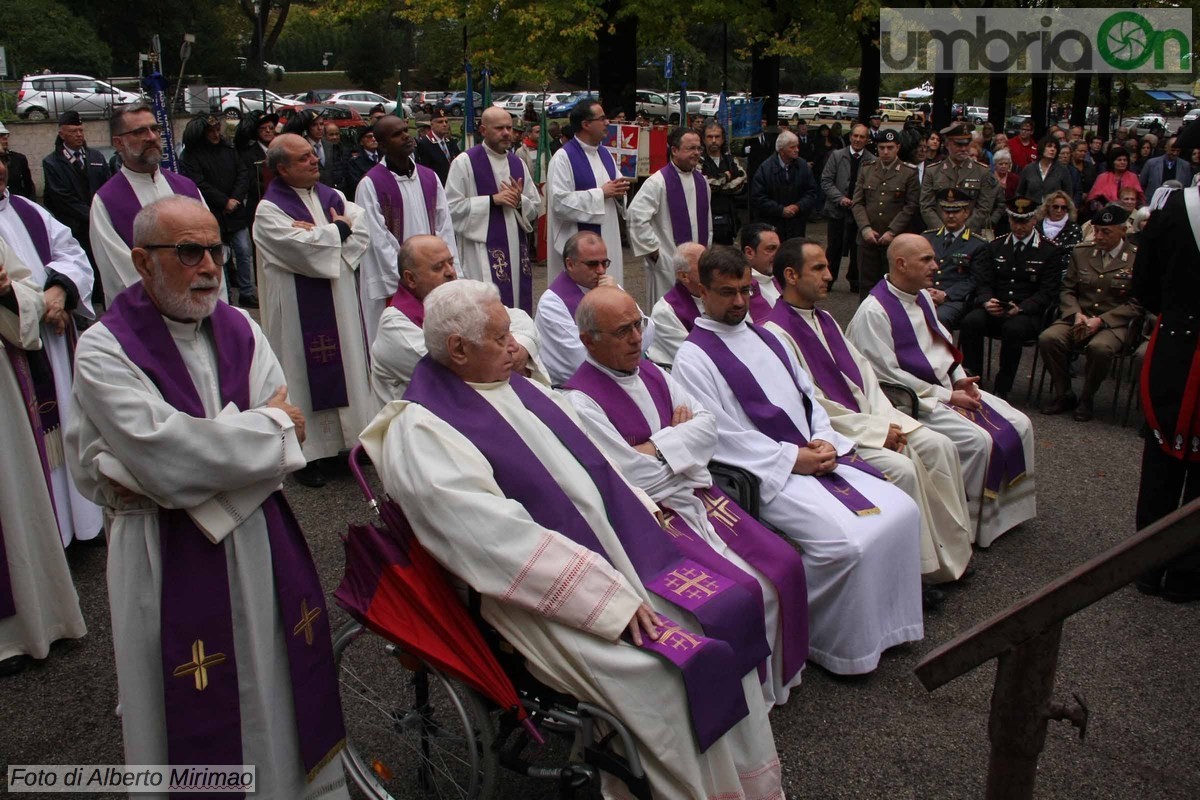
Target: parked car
x=316 y=95
x=796 y=109
x=709 y=107
x=363 y=102
x=46 y=96
x=242 y=101
x=515 y=104
x=838 y=109
x=1149 y=123
x=455 y=103
x=563 y=108
x=976 y=114
x=894 y=111
x=652 y=104
x=500 y=98
x=1191 y=116
x=428 y=101
x=341 y=116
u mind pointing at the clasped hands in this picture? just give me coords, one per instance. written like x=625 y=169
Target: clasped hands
x=998 y=309
x=817 y=458
x=1085 y=327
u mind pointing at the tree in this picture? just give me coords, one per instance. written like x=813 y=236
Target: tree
x=364 y=60
x=53 y=38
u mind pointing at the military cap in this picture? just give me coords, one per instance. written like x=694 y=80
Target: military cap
x=69 y=118
x=212 y=121
x=957 y=130
x=438 y=113
x=952 y=198
x=1021 y=208
x=889 y=136
x=1111 y=214
x=272 y=118
x=3 y=130
x=876 y=115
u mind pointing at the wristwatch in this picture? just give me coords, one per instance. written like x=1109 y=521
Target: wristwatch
x=658 y=454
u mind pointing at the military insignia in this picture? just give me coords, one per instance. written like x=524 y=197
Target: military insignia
x=1178 y=442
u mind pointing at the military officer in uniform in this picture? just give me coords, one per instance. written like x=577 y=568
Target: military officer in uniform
x=1095 y=312
x=885 y=201
x=435 y=148
x=956 y=249
x=961 y=171
x=1018 y=277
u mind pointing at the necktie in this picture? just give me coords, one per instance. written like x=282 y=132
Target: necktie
x=321 y=154
x=949 y=241
x=1020 y=248
x=445 y=149
x=80 y=162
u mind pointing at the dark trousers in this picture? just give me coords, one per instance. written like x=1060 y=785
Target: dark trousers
x=842 y=234
x=1167 y=483
x=872 y=266
x=1013 y=333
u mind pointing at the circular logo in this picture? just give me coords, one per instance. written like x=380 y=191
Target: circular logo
x=1125 y=40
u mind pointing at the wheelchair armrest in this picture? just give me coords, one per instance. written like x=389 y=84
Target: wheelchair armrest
x=901 y=395
x=740 y=484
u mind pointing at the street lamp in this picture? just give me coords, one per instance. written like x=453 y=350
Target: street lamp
x=258 y=27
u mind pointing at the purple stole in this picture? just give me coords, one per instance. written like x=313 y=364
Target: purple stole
x=570 y=292
x=200 y=683
x=760 y=307
x=123 y=205
x=683 y=304
x=1006 y=466
x=404 y=302
x=35 y=226
x=829 y=368
x=391 y=201
x=764 y=550
x=773 y=420
x=500 y=261
x=681 y=223
x=583 y=176
x=314 y=302
x=712 y=668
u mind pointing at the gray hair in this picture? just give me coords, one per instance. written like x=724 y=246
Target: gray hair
x=585 y=318
x=145 y=224
x=785 y=139
x=458 y=307
x=1002 y=154
x=117 y=120
x=276 y=154
x=571 y=248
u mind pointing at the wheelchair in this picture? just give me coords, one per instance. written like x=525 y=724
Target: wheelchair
x=413 y=731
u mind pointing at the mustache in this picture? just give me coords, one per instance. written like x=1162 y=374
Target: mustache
x=206 y=283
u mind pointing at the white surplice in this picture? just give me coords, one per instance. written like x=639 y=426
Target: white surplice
x=566 y=208
x=285 y=251
x=46 y=602
x=928 y=469
x=650 y=230
x=863 y=572
x=400 y=344
x=871 y=332
x=379 y=273
x=687 y=448
x=562 y=351
x=767 y=287
x=669 y=331
x=78 y=517
x=124 y=431
x=470 y=212
x=491 y=543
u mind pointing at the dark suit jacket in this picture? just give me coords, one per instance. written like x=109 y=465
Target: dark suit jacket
x=67 y=192
x=772 y=188
x=1031 y=280
x=356 y=169
x=956 y=275
x=430 y=155
x=1152 y=177
x=20 y=180
x=1035 y=187
x=758 y=150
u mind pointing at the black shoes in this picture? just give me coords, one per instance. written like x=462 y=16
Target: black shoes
x=14 y=665
x=1083 y=411
x=1060 y=405
x=931 y=598
x=312 y=476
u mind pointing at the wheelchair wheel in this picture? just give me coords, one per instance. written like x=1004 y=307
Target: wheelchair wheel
x=411 y=732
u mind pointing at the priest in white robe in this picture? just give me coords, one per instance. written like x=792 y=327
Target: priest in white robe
x=581 y=616
x=139 y=182
x=616 y=392
x=676 y=312
x=671 y=207
x=310 y=241
x=587 y=263
x=759 y=242
x=896 y=330
x=494 y=204
x=425 y=264
x=859 y=534
x=183 y=432
x=920 y=461
x=585 y=190
x=58 y=264
x=38 y=603
x=399 y=199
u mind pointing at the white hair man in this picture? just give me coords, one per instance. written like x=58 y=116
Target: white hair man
x=676 y=312
x=783 y=192
x=510 y=495
x=183 y=432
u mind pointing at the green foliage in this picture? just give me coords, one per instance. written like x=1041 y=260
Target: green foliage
x=367 y=59
x=44 y=34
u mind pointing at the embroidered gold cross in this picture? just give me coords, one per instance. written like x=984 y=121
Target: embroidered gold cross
x=718 y=508
x=677 y=638
x=696 y=584
x=199 y=665
x=499 y=264
x=307 y=617
x=322 y=348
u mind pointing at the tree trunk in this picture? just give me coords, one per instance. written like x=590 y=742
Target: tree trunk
x=1039 y=91
x=617 y=55
x=764 y=83
x=943 y=99
x=1079 y=99
x=998 y=100
x=1104 y=84
x=868 y=74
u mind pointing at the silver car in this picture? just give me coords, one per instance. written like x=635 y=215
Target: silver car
x=363 y=102
x=46 y=96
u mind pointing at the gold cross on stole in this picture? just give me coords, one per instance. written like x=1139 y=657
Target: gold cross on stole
x=322 y=348
x=697 y=584
x=307 y=617
x=199 y=665
x=718 y=508
x=676 y=637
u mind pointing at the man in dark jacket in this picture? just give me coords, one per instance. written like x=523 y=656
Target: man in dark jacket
x=223 y=182
x=368 y=155
x=73 y=173
x=784 y=192
x=435 y=148
x=20 y=181
x=255 y=135
x=726 y=180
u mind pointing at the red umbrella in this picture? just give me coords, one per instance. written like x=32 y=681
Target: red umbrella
x=393 y=587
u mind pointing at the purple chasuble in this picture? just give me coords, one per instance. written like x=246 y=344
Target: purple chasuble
x=583 y=176
x=1006 y=464
x=570 y=292
x=764 y=550
x=712 y=667
x=391 y=201
x=200 y=683
x=408 y=305
x=760 y=306
x=773 y=420
x=829 y=368
x=500 y=260
x=681 y=221
x=314 y=302
x=683 y=304
x=122 y=204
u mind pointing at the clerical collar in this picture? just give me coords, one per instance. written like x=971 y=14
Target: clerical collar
x=900 y=293
x=183 y=331
x=762 y=277
x=494 y=153
x=588 y=148
x=489 y=386
x=139 y=176
x=411 y=173
x=677 y=169
x=716 y=326
x=4 y=199
x=616 y=373
x=808 y=312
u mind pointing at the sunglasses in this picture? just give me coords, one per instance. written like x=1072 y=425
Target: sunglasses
x=191 y=254
x=599 y=263
x=1058 y=207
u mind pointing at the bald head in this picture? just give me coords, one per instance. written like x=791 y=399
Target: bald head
x=912 y=263
x=394 y=139
x=610 y=323
x=496 y=126
x=425 y=263
x=294 y=161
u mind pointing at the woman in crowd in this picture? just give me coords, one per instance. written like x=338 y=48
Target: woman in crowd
x=1002 y=167
x=1144 y=152
x=933 y=147
x=1083 y=172
x=1108 y=185
x=1056 y=220
x=1044 y=175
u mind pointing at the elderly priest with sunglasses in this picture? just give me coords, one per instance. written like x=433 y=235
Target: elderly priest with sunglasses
x=310 y=241
x=505 y=489
x=859 y=534
x=183 y=431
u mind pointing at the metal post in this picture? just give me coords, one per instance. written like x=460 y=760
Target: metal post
x=1020 y=708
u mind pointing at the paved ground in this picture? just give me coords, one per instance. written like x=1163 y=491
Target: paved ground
x=880 y=736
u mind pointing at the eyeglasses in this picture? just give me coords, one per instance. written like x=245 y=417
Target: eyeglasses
x=601 y=118
x=625 y=331
x=1058 y=207
x=190 y=254
x=142 y=131
x=604 y=262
